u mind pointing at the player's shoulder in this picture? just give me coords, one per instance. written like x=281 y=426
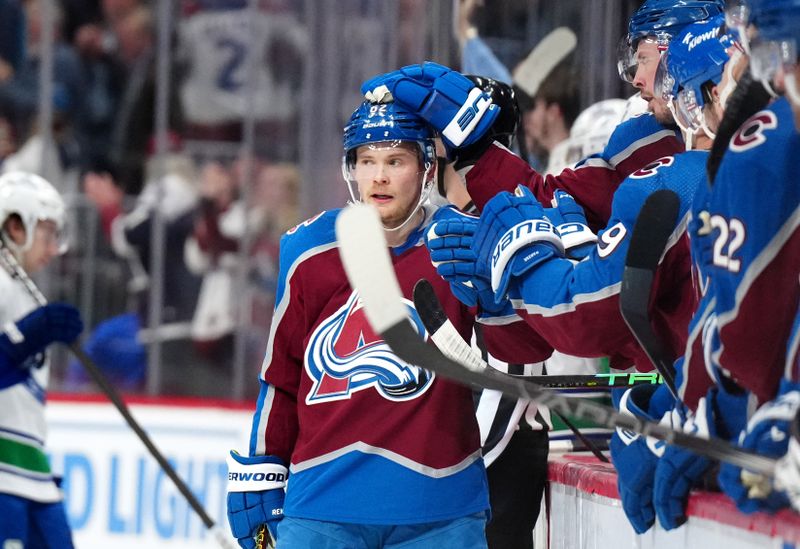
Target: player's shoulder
x=315 y=232
x=764 y=147
x=636 y=132
x=447 y=213
x=766 y=132
x=681 y=173
x=663 y=171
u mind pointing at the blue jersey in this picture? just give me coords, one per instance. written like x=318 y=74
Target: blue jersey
x=575 y=307
x=695 y=367
x=369 y=438
x=754 y=258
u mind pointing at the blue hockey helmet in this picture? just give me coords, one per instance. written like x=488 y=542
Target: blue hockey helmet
x=776 y=47
x=660 y=20
x=388 y=125
x=696 y=57
x=387 y=122
x=776 y=19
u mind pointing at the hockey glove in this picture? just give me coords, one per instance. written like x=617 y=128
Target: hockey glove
x=25 y=338
x=635 y=457
x=720 y=414
x=767 y=434
x=446 y=99
x=787 y=472
x=255 y=496
x=570 y=221
x=449 y=242
x=512 y=237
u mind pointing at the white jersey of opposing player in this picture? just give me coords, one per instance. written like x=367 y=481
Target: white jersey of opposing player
x=217 y=45
x=22 y=421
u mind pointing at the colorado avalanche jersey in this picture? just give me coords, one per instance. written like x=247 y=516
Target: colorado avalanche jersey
x=24 y=467
x=634 y=144
x=369 y=438
x=575 y=306
x=755 y=259
x=694 y=367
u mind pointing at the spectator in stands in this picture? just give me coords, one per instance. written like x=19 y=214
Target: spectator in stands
x=19 y=93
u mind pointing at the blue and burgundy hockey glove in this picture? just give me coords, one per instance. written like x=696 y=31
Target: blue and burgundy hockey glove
x=768 y=434
x=449 y=101
x=255 y=496
x=512 y=237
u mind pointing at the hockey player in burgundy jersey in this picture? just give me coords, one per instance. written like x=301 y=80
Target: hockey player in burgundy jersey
x=753 y=265
x=368 y=439
x=489 y=167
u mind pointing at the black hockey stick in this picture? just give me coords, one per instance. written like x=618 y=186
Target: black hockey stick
x=452 y=345
x=654 y=225
x=13 y=268
x=450 y=342
x=749 y=97
x=369 y=268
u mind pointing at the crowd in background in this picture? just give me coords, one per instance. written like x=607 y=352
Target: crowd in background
x=225 y=181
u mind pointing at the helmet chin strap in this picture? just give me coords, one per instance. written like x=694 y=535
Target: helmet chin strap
x=427 y=185
x=688 y=133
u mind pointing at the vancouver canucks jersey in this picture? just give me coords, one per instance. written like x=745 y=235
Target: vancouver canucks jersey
x=369 y=438
x=634 y=144
x=575 y=306
x=755 y=257
x=24 y=467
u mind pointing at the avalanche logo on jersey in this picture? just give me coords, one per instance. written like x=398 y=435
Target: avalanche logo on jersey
x=344 y=355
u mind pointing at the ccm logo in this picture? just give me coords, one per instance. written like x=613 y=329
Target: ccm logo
x=472 y=111
x=257 y=477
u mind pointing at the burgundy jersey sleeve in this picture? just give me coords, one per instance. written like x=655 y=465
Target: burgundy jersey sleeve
x=633 y=145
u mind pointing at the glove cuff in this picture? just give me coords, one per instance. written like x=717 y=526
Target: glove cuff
x=255 y=474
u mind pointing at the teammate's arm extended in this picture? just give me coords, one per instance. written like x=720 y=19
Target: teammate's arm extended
x=633 y=145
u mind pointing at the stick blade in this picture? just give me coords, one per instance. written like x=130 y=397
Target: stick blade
x=428 y=306
x=654 y=226
x=365 y=255
x=549 y=52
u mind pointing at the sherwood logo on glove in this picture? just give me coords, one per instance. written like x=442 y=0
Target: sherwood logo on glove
x=256 y=477
x=251 y=474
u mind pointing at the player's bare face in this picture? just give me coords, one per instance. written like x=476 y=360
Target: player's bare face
x=647 y=58
x=44 y=248
x=388 y=177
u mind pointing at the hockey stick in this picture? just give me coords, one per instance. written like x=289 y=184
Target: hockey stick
x=654 y=225
x=539 y=63
x=369 y=269
x=452 y=345
x=13 y=268
x=450 y=342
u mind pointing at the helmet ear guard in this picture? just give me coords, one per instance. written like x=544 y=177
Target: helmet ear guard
x=33 y=199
